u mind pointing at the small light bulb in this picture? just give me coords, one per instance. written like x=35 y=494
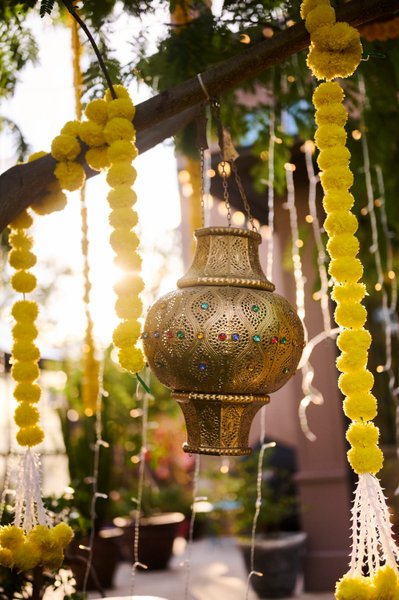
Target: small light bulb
x=356 y=134
x=380 y=369
x=224 y=168
x=299 y=243
x=391 y=274
x=378 y=287
x=309 y=219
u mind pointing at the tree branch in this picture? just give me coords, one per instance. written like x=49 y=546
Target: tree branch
x=163 y=115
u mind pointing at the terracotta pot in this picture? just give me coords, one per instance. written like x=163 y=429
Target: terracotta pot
x=105 y=558
x=156 y=537
x=279 y=558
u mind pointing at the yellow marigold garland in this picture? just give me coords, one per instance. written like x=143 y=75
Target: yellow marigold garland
x=335 y=51
x=30 y=542
x=380 y=30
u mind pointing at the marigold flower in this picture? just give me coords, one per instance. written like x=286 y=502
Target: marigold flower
x=71 y=128
x=121 y=197
x=11 y=537
x=92 y=133
x=343 y=244
x=37 y=155
x=353 y=588
x=360 y=406
x=386 y=583
x=349 y=339
x=340 y=221
x=346 y=269
x=131 y=359
x=22 y=221
x=327 y=93
x=330 y=135
x=126 y=333
x=24 y=331
x=97 y=158
x=119 y=129
x=351 y=292
x=328 y=64
x=20 y=239
x=25 y=351
x=121 y=173
x=123 y=218
x=65 y=147
x=121 y=107
x=27 y=556
x=351 y=315
x=97 y=111
x=334 y=113
x=122 y=150
x=366 y=460
x=23 y=282
x=25 y=311
x=352 y=361
x=6 y=558
x=27 y=392
x=354 y=383
x=70 y=175
x=130 y=284
x=53 y=201
x=337 y=199
x=30 y=436
x=126 y=309
x=26 y=415
x=63 y=534
x=321 y=14
x=25 y=371
x=360 y=435
x=21 y=259
x=120 y=91
x=123 y=240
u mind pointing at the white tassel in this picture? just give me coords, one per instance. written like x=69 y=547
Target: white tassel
x=29 y=507
x=373 y=544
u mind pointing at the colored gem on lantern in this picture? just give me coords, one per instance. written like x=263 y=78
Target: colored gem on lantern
x=158 y=363
x=169 y=334
x=202 y=366
x=256 y=338
x=204 y=305
x=180 y=335
x=145 y=335
x=283 y=340
x=255 y=308
x=274 y=340
x=286 y=370
x=200 y=335
x=156 y=334
x=235 y=337
x=222 y=337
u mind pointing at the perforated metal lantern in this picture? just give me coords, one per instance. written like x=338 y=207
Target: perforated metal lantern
x=223 y=341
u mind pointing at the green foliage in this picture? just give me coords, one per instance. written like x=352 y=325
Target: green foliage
x=46 y=7
x=18 y=46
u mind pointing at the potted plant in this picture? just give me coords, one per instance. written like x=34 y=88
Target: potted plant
x=279 y=545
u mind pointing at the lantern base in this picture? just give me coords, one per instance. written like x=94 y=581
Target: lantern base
x=218 y=424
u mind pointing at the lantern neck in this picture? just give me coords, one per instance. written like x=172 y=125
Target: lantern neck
x=226 y=256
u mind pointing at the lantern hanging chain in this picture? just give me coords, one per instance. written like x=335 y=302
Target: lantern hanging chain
x=202 y=190
x=215 y=107
x=196 y=499
x=243 y=195
x=215 y=111
x=258 y=506
x=95 y=494
x=142 y=394
x=270 y=197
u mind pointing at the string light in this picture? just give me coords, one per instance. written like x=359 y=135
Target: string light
x=196 y=499
x=270 y=198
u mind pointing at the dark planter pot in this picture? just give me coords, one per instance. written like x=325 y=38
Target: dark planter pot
x=279 y=558
x=105 y=558
x=156 y=537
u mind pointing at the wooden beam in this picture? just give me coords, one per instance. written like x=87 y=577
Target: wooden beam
x=163 y=115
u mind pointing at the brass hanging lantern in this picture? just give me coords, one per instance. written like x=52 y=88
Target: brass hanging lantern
x=223 y=341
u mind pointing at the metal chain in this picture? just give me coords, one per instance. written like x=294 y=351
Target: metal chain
x=202 y=190
x=215 y=107
x=243 y=196
x=226 y=196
